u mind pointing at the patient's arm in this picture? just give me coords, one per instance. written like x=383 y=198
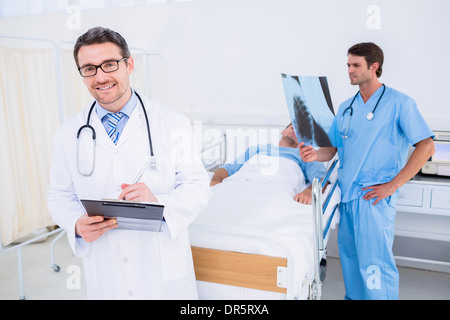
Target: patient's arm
x=305 y=196
x=218 y=176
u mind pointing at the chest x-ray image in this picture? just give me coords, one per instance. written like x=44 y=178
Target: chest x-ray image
x=310 y=108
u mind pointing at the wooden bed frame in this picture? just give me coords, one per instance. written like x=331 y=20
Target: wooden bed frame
x=238 y=269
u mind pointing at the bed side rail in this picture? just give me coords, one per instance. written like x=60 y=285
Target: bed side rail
x=330 y=194
x=214 y=154
x=318 y=242
x=319 y=235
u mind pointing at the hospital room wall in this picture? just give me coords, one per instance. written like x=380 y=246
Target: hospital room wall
x=231 y=59
x=222 y=58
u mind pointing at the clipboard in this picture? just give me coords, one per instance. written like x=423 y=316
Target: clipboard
x=130 y=215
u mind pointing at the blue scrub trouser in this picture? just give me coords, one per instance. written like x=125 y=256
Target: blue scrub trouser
x=365 y=239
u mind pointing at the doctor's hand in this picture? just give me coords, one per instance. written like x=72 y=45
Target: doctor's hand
x=92 y=228
x=307 y=153
x=137 y=192
x=379 y=191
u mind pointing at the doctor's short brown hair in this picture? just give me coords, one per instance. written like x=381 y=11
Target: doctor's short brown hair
x=101 y=35
x=371 y=52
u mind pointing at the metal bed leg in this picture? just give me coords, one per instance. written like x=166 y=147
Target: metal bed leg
x=20 y=269
x=54 y=266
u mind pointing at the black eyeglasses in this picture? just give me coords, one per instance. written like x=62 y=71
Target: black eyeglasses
x=107 y=67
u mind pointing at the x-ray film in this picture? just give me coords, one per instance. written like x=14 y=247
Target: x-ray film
x=310 y=108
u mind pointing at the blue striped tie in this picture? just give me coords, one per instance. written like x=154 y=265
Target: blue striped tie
x=113 y=119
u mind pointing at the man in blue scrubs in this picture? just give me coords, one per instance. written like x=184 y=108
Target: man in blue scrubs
x=372 y=132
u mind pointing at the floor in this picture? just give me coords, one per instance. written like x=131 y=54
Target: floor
x=41 y=282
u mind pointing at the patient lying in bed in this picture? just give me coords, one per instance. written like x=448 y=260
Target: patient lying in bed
x=252 y=210
x=262 y=157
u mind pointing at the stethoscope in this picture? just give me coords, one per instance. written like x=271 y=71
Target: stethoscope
x=94 y=136
x=369 y=117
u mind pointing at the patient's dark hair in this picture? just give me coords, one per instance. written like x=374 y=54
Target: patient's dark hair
x=371 y=52
x=101 y=35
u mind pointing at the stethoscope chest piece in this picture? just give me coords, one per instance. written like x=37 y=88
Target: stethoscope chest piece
x=369 y=116
x=153 y=167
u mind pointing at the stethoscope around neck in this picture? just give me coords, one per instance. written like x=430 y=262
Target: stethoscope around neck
x=87 y=126
x=369 y=116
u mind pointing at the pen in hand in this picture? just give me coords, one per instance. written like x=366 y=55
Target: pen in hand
x=139 y=175
x=137 y=191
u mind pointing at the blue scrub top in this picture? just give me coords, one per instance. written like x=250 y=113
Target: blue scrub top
x=311 y=170
x=375 y=150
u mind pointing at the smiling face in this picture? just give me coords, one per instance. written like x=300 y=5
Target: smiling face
x=111 y=90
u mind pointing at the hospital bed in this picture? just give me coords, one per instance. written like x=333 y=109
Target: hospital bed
x=252 y=242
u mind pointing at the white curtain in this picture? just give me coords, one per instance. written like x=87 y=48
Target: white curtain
x=28 y=117
x=75 y=94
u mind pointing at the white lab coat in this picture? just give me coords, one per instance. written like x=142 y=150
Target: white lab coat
x=126 y=264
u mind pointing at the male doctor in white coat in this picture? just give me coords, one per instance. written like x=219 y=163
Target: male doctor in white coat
x=126 y=264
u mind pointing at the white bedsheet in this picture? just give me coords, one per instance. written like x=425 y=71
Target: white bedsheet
x=253 y=211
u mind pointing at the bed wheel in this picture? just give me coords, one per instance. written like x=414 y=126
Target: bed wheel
x=56 y=268
x=323 y=269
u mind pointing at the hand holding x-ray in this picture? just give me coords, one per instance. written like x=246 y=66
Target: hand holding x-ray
x=307 y=153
